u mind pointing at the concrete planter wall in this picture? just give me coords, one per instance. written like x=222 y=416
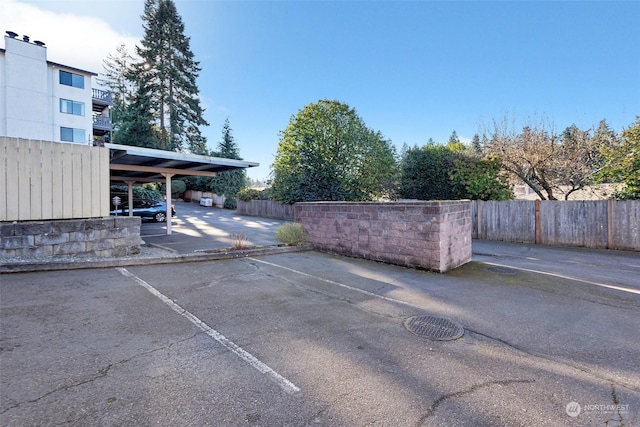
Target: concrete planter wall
x=101 y=237
x=434 y=235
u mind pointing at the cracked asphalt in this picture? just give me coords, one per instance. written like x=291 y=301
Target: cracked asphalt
x=308 y=338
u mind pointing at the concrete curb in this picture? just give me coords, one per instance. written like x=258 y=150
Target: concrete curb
x=208 y=255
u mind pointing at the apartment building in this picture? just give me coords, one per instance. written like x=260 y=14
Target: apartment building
x=44 y=100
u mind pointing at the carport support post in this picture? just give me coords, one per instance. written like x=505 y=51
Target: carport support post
x=130 y=202
x=167 y=177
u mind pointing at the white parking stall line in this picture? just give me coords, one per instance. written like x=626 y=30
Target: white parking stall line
x=284 y=383
x=342 y=285
x=562 y=276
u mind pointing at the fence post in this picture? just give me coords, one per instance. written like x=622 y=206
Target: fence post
x=538 y=231
x=610 y=243
x=479 y=213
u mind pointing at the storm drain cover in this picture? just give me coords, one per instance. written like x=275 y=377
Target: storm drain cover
x=502 y=270
x=435 y=328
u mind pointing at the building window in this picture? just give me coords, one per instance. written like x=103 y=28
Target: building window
x=72 y=135
x=70 y=79
x=72 y=107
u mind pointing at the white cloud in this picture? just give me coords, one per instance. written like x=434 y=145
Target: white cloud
x=77 y=41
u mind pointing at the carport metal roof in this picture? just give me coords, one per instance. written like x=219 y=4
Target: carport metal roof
x=139 y=164
x=132 y=164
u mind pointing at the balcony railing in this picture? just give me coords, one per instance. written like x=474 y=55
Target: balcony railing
x=102 y=122
x=102 y=95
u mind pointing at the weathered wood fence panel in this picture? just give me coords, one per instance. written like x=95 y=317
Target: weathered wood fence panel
x=508 y=222
x=592 y=224
x=574 y=223
x=44 y=180
x=266 y=209
x=626 y=230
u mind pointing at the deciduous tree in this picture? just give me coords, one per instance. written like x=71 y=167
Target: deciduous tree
x=550 y=163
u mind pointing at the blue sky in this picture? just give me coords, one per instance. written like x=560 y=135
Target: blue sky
x=412 y=70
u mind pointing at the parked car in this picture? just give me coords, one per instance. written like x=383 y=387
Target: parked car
x=146 y=209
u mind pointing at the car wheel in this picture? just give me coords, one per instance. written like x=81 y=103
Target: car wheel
x=160 y=217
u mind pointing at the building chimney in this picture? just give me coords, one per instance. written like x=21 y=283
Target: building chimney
x=12 y=34
x=39 y=43
x=25 y=38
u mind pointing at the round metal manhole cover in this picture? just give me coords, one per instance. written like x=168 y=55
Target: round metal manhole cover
x=435 y=328
x=502 y=270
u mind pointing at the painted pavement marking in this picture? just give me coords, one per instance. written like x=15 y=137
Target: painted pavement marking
x=284 y=383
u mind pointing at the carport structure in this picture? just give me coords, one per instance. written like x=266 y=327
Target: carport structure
x=131 y=165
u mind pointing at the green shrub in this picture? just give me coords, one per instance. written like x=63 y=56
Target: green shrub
x=177 y=186
x=266 y=194
x=291 y=234
x=247 y=194
x=230 y=203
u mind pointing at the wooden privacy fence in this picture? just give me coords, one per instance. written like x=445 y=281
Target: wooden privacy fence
x=42 y=180
x=265 y=209
x=605 y=224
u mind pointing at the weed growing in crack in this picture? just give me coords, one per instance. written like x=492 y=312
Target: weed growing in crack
x=240 y=241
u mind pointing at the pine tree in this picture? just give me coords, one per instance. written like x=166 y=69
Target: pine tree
x=476 y=144
x=115 y=77
x=454 y=139
x=228 y=148
x=136 y=126
x=170 y=72
x=454 y=143
x=228 y=182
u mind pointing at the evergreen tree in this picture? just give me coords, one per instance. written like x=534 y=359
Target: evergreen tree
x=228 y=148
x=136 y=126
x=228 y=182
x=622 y=161
x=115 y=77
x=454 y=139
x=454 y=143
x=169 y=70
x=424 y=173
x=476 y=144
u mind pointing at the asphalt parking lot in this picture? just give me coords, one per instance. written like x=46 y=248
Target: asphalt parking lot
x=314 y=339
x=198 y=228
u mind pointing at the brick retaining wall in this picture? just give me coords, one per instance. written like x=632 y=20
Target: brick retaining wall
x=434 y=235
x=101 y=237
